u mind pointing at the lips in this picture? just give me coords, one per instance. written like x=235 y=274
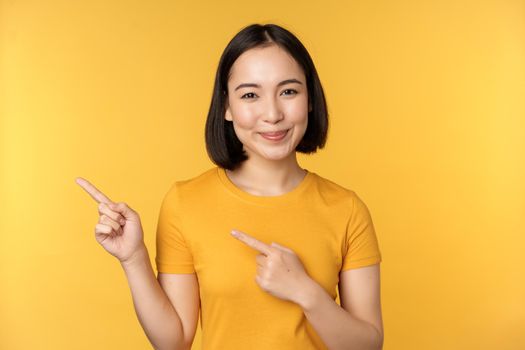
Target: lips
x=275 y=136
x=275 y=133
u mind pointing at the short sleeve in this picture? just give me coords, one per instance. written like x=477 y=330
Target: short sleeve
x=362 y=247
x=173 y=253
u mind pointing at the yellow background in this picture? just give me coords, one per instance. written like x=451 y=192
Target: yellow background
x=426 y=100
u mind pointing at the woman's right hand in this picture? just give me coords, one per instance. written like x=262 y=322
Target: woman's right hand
x=119 y=229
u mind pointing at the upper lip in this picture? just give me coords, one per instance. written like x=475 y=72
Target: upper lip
x=273 y=132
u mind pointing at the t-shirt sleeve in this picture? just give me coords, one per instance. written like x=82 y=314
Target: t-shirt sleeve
x=173 y=253
x=362 y=247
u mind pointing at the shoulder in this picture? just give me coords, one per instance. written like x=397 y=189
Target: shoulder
x=334 y=192
x=193 y=186
x=335 y=195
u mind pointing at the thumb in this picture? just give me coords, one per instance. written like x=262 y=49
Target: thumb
x=276 y=245
x=123 y=209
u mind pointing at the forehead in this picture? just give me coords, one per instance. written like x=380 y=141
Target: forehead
x=262 y=64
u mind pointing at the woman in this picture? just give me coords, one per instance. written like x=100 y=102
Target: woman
x=295 y=236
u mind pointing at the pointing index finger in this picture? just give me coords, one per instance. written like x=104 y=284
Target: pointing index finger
x=92 y=191
x=253 y=242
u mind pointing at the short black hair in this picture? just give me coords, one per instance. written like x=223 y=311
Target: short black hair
x=222 y=144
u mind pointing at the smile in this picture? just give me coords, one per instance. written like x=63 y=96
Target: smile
x=275 y=136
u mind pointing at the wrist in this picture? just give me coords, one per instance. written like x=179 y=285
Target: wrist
x=308 y=294
x=137 y=257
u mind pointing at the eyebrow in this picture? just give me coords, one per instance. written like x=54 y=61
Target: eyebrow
x=284 y=82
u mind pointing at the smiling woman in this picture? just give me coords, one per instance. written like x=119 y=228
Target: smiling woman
x=295 y=236
x=304 y=236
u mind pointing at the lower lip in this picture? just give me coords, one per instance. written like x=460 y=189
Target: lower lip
x=276 y=137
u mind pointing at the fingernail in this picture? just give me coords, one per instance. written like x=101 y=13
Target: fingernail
x=235 y=233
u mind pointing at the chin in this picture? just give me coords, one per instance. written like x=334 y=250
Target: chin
x=275 y=156
x=263 y=152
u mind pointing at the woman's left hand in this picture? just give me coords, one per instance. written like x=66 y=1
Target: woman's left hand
x=280 y=272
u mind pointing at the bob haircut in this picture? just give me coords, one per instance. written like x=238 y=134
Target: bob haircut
x=222 y=144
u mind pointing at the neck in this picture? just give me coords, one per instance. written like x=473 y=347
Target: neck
x=265 y=177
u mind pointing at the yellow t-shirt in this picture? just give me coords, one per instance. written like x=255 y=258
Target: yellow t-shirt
x=328 y=226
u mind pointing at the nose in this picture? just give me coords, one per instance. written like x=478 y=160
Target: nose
x=272 y=112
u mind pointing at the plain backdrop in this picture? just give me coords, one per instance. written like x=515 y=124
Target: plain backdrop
x=427 y=112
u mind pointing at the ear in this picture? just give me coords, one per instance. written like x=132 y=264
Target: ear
x=227 y=113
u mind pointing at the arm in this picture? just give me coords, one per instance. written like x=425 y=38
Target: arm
x=154 y=310
x=357 y=323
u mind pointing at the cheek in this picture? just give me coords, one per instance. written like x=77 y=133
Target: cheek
x=297 y=111
x=244 y=117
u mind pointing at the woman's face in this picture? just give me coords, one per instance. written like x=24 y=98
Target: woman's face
x=267 y=93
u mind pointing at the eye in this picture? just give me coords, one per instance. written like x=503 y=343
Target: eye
x=249 y=93
x=294 y=91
